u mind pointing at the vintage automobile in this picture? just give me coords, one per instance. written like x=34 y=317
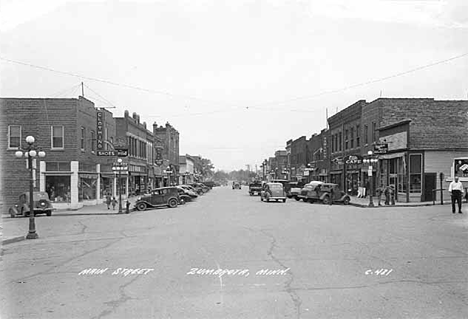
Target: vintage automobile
x=255 y=188
x=294 y=189
x=42 y=205
x=309 y=192
x=189 y=190
x=159 y=197
x=200 y=189
x=236 y=185
x=328 y=192
x=185 y=195
x=273 y=191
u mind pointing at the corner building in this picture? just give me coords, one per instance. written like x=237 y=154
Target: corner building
x=66 y=129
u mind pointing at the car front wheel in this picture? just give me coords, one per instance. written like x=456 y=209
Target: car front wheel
x=297 y=198
x=172 y=203
x=49 y=213
x=326 y=200
x=346 y=201
x=141 y=206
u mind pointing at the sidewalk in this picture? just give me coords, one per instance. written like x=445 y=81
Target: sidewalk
x=364 y=202
x=13 y=232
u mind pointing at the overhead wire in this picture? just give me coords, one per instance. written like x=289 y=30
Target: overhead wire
x=259 y=106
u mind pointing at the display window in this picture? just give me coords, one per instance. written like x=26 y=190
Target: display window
x=87 y=187
x=58 y=188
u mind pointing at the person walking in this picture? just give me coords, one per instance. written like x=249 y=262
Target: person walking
x=456 y=190
x=114 y=202
x=108 y=200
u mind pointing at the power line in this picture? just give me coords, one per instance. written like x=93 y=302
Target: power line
x=113 y=83
x=254 y=106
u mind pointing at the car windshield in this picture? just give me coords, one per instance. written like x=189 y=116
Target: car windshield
x=276 y=186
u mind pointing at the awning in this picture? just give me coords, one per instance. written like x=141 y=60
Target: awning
x=394 y=155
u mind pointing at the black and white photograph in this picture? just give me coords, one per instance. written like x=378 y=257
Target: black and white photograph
x=234 y=159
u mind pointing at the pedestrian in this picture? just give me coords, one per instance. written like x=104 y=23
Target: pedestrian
x=456 y=190
x=379 y=192
x=108 y=200
x=114 y=202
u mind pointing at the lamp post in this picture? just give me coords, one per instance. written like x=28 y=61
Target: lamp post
x=371 y=159
x=120 y=166
x=169 y=172
x=29 y=153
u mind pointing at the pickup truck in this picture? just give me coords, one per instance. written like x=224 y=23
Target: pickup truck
x=255 y=187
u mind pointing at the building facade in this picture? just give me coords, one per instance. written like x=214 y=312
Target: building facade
x=169 y=139
x=187 y=169
x=133 y=135
x=67 y=130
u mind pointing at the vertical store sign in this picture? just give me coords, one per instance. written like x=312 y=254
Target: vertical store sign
x=100 y=129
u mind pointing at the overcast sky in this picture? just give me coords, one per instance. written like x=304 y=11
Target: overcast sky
x=236 y=78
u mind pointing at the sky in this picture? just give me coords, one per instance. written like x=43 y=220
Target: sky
x=236 y=78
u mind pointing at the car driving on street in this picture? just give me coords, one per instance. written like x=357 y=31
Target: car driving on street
x=273 y=191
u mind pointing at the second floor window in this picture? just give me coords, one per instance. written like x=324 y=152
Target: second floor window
x=57 y=137
x=366 y=135
x=358 y=136
x=374 y=132
x=14 y=136
x=83 y=138
x=93 y=141
x=346 y=140
x=352 y=138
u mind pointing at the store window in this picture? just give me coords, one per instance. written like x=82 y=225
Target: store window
x=14 y=136
x=415 y=173
x=57 y=137
x=58 y=188
x=402 y=176
x=87 y=187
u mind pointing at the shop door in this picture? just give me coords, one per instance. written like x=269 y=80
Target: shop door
x=429 y=185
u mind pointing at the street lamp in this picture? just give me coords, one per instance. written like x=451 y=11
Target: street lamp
x=371 y=160
x=29 y=153
x=120 y=166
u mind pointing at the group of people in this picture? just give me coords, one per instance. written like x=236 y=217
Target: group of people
x=110 y=200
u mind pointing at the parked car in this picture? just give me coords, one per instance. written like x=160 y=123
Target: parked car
x=200 y=188
x=255 y=188
x=159 y=197
x=328 y=192
x=189 y=190
x=184 y=197
x=273 y=191
x=309 y=192
x=294 y=189
x=42 y=205
x=236 y=185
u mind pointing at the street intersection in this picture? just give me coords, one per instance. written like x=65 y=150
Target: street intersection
x=229 y=255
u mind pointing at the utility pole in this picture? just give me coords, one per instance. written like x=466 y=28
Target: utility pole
x=82 y=89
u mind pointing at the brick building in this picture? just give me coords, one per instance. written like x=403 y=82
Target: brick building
x=298 y=158
x=135 y=136
x=423 y=137
x=281 y=161
x=345 y=147
x=169 y=138
x=317 y=156
x=66 y=129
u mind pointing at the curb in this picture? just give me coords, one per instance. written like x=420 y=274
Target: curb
x=393 y=206
x=13 y=240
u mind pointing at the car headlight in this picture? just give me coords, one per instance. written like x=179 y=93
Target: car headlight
x=138 y=198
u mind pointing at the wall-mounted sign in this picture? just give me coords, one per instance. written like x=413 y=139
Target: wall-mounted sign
x=381 y=148
x=158 y=160
x=353 y=159
x=100 y=130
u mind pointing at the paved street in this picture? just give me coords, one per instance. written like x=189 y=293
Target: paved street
x=318 y=262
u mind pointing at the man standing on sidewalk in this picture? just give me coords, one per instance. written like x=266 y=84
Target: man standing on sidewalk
x=456 y=189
